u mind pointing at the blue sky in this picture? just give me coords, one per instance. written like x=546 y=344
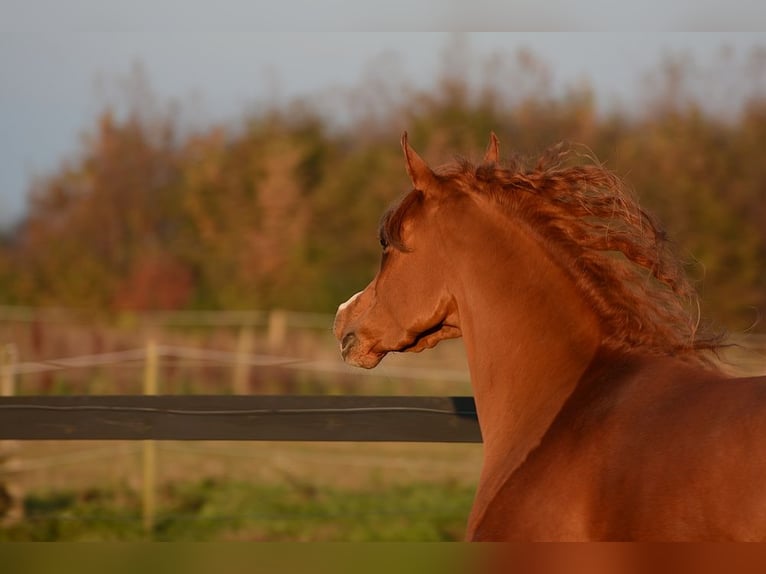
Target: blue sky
x=61 y=62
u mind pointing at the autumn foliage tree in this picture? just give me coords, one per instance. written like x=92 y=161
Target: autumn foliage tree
x=282 y=209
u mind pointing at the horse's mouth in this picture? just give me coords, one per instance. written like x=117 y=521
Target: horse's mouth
x=352 y=355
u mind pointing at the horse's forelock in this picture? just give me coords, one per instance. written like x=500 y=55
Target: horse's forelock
x=392 y=221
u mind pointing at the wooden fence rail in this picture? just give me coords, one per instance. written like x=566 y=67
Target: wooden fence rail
x=238 y=417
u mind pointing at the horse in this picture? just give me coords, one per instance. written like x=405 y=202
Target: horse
x=602 y=412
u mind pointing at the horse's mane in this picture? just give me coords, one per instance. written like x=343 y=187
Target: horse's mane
x=590 y=222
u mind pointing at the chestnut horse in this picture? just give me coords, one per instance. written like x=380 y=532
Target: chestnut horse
x=601 y=414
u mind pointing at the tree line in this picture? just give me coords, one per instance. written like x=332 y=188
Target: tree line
x=280 y=208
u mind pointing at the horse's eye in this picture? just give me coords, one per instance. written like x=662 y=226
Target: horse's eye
x=383 y=242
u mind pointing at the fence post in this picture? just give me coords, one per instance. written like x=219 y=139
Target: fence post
x=277 y=334
x=241 y=365
x=12 y=510
x=8 y=372
x=149 y=501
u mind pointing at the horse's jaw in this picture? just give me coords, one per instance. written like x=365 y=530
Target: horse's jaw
x=431 y=338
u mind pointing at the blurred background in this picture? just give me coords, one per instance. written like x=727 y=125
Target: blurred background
x=215 y=195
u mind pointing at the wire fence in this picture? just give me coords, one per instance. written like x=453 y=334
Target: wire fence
x=223 y=357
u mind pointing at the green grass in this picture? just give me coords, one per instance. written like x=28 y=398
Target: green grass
x=216 y=510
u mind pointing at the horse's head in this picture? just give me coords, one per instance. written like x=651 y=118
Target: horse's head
x=408 y=305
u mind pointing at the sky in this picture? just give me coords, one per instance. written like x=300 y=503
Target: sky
x=61 y=63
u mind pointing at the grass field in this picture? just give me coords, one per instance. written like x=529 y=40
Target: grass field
x=217 y=510
x=264 y=491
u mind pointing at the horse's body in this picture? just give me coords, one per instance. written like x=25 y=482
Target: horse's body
x=650 y=450
x=600 y=419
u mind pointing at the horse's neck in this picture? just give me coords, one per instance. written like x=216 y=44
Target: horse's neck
x=529 y=336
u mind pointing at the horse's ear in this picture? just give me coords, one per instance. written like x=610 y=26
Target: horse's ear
x=492 y=155
x=421 y=175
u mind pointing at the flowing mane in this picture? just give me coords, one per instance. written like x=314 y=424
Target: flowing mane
x=593 y=226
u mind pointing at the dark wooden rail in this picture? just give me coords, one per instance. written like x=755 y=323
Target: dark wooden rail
x=240 y=417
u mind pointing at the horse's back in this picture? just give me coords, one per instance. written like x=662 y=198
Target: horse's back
x=660 y=451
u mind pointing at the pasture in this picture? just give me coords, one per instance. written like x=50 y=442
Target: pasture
x=224 y=490
x=249 y=491
x=235 y=490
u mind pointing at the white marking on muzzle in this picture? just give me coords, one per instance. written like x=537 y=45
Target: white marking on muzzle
x=343 y=306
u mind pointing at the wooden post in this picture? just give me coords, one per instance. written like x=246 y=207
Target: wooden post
x=277 y=334
x=241 y=374
x=8 y=370
x=149 y=500
x=10 y=488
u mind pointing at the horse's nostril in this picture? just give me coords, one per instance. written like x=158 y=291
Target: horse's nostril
x=347 y=342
